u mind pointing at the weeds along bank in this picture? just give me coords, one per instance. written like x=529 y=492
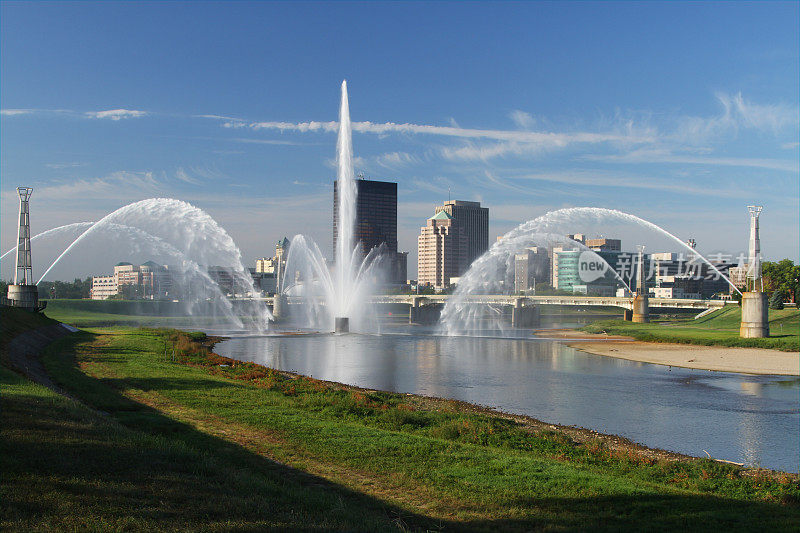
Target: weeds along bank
x=334 y=455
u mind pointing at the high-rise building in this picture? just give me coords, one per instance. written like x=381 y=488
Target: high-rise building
x=474 y=222
x=376 y=222
x=442 y=251
x=531 y=266
x=376 y=215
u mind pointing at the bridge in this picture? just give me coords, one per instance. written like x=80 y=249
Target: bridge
x=524 y=309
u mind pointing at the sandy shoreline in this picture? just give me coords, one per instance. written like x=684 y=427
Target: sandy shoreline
x=719 y=358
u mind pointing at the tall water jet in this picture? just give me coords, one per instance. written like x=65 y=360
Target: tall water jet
x=346 y=192
x=335 y=301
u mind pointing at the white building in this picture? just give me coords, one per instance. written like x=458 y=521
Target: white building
x=104 y=287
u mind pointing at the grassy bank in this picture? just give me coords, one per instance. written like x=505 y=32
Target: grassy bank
x=720 y=328
x=209 y=443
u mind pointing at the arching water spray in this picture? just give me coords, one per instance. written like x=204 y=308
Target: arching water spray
x=54 y=231
x=493 y=269
x=188 y=229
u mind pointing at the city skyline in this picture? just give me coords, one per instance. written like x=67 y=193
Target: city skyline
x=560 y=122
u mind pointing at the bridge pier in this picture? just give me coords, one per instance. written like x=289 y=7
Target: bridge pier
x=641 y=308
x=627 y=315
x=523 y=316
x=280 y=307
x=755 y=316
x=420 y=313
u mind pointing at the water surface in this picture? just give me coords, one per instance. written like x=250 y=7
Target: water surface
x=743 y=418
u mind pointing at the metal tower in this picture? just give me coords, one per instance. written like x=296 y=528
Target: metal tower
x=754 y=280
x=24 y=273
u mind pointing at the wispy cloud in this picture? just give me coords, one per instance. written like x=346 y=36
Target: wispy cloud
x=613 y=180
x=13 y=112
x=185 y=177
x=397 y=159
x=383 y=128
x=116 y=114
x=437 y=185
x=61 y=166
x=738 y=114
x=522 y=119
x=660 y=155
x=114 y=186
x=265 y=141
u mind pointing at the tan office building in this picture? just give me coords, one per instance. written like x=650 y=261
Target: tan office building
x=442 y=248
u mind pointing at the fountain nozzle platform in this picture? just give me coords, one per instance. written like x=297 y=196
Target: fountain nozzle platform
x=342 y=324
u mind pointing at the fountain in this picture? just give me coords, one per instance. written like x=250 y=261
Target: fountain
x=335 y=301
x=66 y=228
x=190 y=237
x=487 y=273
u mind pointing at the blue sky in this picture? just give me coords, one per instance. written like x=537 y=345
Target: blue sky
x=680 y=113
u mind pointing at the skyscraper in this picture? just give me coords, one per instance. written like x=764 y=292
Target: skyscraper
x=474 y=222
x=442 y=251
x=376 y=222
x=376 y=215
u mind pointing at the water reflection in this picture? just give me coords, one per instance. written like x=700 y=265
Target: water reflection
x=751 y=419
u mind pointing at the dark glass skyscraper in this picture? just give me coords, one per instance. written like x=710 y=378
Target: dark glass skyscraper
x=376 y=222
x=376 y=214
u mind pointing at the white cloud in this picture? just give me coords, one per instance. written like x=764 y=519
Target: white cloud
x=522 y=119
x=60 y=166
x=397 y=159
x=116 y=114
x=13 y=112
x=185 y=177
x=738 y=114
x=660 y=155
x=265 y=141
x=383 y=128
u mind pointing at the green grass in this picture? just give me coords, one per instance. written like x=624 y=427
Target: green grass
x=201 y=438
x=66 y=467
x=132 y=314
x=720 y=328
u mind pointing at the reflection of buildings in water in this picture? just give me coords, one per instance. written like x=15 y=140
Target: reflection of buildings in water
x=435 y=369
x=751 y=388
x=751 y=431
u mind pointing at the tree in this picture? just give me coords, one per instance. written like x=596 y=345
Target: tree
x=76 y=289
x=776 y=302
x=781 y=276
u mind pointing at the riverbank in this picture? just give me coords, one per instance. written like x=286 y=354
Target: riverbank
x=719 y=358
x=202 y=442
x=719 y=328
